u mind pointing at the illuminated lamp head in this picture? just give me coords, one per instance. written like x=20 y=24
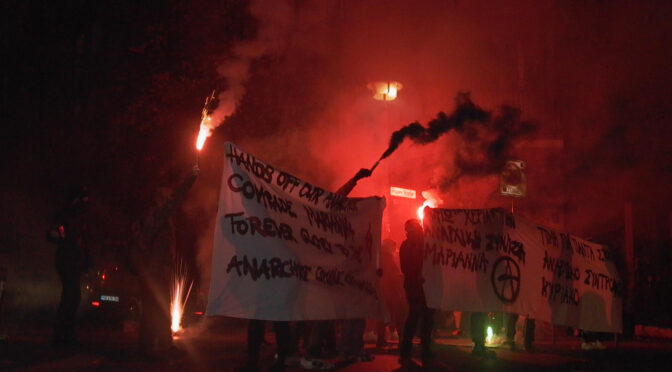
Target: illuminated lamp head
x=385 y=90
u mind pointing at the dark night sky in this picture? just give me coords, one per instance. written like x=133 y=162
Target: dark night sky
x=108 y=94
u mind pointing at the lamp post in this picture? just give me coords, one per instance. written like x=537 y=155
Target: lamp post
x=385 y=91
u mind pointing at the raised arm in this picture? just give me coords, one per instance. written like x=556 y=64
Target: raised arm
x=348 y=186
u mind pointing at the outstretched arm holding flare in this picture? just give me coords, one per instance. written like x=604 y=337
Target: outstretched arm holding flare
x=348 y=186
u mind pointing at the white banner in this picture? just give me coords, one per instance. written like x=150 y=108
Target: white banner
x=288 y=250
x=489 y=260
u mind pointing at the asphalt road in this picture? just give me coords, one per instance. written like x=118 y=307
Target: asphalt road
x=220 y=346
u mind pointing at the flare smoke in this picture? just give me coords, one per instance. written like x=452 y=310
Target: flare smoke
x=466 y=111
x=488 y=141
x=275 y=18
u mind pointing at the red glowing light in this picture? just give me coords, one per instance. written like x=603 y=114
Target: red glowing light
x=198 y=313
x=421 y=209
x=95 y=303
x=102 y=276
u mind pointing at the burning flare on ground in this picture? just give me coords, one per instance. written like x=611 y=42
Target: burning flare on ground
x=179 y=296
x=490 y=338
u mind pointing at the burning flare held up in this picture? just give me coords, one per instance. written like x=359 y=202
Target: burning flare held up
x=207 y=124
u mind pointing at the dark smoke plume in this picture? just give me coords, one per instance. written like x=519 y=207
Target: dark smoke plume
x=487 y=153
x=488 y=142
x=466 y=111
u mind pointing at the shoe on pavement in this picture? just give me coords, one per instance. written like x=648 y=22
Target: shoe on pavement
x=405 y=361
x=316 y=364
x=511 y=344
x=293 y=360
x=587 y=346
x=482 y=351
x=277 y=367
x=599 y=345
x=365 y=357
x=248 y=368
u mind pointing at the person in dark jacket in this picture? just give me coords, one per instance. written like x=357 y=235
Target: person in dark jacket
x=410 y=259
x=152 y=256
x=72 y=261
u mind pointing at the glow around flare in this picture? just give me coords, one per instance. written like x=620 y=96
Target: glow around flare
x=178 y=297
x=421 y=210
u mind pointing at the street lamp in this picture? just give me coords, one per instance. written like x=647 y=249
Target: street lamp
x=385 y=90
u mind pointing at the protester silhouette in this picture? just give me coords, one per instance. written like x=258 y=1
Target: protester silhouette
x=72 y=260
x=411 y=259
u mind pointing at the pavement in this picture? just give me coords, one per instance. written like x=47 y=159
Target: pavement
x=220 y=346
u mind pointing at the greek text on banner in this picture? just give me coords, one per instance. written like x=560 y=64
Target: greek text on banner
x=489 y=260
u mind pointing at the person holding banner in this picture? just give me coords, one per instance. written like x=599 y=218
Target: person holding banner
x=152 y=254
x=411 y=259
x=352 y=331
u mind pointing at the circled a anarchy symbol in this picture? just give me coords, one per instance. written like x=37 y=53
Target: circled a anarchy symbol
x=505 y=279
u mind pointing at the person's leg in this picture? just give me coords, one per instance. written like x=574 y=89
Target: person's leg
x=282 y=340
x=416 y=306
x=347 y=330
x=64 y=330
x=357 y=335
x=317 y=331
x=60 y=324
x=357 y=341
x=255 y=337
x=511 y=320
x=529 y=333
x=406 y=343
x=426 y=332
x=381 y=328
x=458 y=318
x=478 y=329
x=329 y=337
